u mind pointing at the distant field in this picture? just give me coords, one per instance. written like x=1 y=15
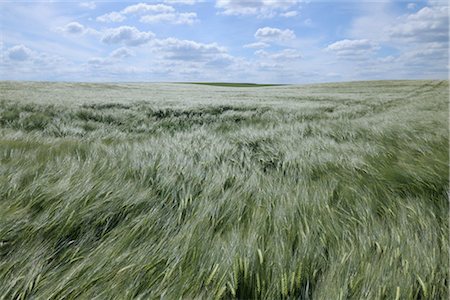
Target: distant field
x=233 y=84
x=183 y=191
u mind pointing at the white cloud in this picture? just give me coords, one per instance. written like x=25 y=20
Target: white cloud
x=262 y=8
x=411 y=6
x=274 y=34
x=122 y=52
x=289 y=14
x=20 y=62
x=414 y=44
x=429 y=56
x=141 y=8
x=420 y=40
x=220 y=61
x=111 y=17
x=153 y=13
x=186 y=18
x=88 y=5
x=186 y=50
x=257 y=45
x=441 y=3
x=127 y=35
x=430 y=51
x=352 y=47
x=19 y=53
x=110 y=61
x=99 y=61
x=429 y=24
x=174 y=18
x=308 y=22
x=73 y=28
x=419 y=62
x=185 y=2
x=285 y=54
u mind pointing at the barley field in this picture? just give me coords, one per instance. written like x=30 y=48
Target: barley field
x=188 y=191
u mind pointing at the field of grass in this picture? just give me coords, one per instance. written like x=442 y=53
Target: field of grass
x=121 y=191
x=233 y=84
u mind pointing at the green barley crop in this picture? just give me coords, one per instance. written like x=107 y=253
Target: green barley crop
x=182 y=191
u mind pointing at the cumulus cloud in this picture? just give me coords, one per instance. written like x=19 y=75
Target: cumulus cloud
x=432 y=51
x=257 y=45
x=76 y=29
x=185 y=2
x=73 y=28
x=20 y=58
x=127 y=35
x=111 y=17
x=186 y=50
x=99 y=61
x=352 y=47
x=422 y=58
x=19 y=53
x=141 y=8
x=88 y=5
x=441 y=3
x=411 y=5
x=174 y=18
x=221 y=61
x=285 y=54
x=274 y=34
x=419 y=37
x=262 y=8
x=289 y=14
x=122 y=52
x=152 y=13
x=111 y=60
x=430 y=24
x=19 y=62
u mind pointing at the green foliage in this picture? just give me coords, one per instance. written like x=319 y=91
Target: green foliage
x=173 y=191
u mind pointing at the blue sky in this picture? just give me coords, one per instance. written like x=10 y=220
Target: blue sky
x=287 y=41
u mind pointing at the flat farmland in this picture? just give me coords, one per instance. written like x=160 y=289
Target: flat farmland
x=197 y=191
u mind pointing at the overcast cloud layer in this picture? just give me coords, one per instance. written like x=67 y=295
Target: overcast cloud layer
x=289 y=41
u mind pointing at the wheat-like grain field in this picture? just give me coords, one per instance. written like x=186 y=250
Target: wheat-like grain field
x=184 y=191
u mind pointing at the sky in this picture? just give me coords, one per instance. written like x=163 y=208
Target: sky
x=260 y=41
